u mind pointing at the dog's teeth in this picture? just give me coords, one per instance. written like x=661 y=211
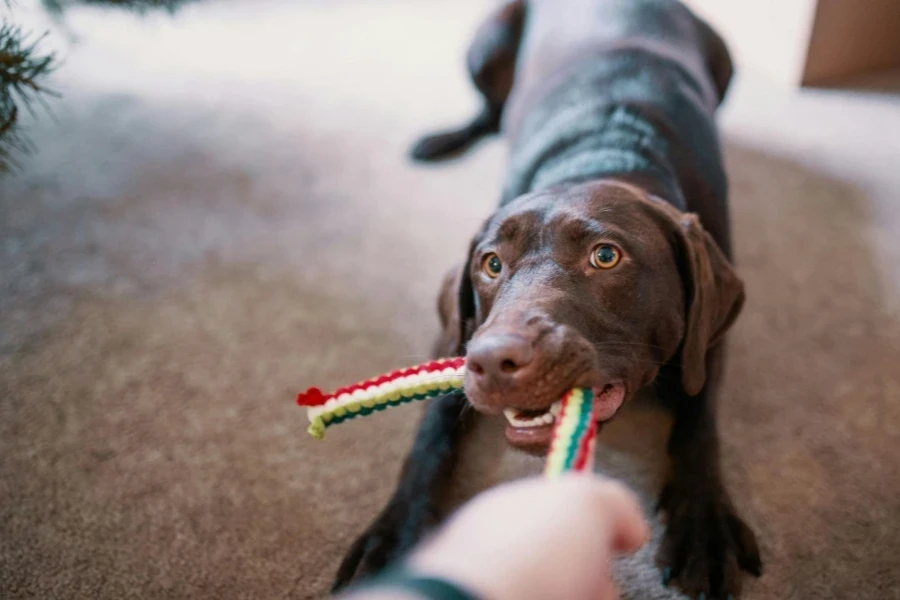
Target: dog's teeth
x=512 y=415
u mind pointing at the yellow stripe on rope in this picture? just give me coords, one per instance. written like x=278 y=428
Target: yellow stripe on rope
x=570 y=432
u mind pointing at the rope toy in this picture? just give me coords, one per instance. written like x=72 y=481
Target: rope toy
x=574 y=435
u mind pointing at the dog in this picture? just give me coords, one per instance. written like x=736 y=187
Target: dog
x=607 y=264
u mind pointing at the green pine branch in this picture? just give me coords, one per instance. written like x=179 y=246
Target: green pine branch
x=58 y=6
x=23 y=68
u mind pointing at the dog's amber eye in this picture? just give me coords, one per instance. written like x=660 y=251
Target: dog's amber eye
x=491 y=265
x=605 y=256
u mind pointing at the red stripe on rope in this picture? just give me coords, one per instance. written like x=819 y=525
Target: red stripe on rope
x=584 y=447
x=314 y=396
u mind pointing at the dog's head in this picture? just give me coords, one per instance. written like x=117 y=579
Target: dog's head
x=595 y=285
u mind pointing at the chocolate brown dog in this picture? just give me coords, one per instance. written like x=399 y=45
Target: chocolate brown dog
x=606 y=265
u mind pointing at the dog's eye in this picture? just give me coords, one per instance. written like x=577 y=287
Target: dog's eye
x=491 y=265
x=605 y=256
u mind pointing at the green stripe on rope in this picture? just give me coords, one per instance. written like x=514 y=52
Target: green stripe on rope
x=317 y=427
x=583 y=421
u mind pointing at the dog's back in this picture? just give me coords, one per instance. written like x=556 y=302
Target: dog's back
x=613 y=88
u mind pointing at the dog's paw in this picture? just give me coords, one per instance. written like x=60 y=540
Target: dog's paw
x=370 y=553
x=705 y=548
x=389 y=536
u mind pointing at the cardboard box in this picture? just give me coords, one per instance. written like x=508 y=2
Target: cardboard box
x=808 y=42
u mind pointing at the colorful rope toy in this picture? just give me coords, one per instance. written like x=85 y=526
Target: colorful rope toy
x=574 y=436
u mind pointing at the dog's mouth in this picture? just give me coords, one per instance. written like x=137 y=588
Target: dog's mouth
x=532 y=430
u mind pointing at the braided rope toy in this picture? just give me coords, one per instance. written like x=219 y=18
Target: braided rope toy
x=574 y=435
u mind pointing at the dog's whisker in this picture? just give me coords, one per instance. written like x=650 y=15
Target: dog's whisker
x=634 y=344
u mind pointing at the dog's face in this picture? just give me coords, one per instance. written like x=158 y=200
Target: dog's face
x=594 y=285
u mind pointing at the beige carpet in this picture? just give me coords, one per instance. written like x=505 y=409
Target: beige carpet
x=221 y=213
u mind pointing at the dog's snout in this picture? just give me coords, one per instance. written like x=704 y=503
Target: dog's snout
x=499 y=357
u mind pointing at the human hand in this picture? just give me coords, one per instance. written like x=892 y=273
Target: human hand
x=537 y=538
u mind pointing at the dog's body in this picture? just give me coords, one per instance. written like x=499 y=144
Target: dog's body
x=608 y=107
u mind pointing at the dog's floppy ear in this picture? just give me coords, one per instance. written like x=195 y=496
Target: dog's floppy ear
x=714 y=298
x=457 y=309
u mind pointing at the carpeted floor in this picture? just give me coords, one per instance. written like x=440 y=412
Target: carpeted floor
x=221 y=213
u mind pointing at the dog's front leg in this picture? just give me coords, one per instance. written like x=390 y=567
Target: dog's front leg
x=414 y=506
x=706 y=543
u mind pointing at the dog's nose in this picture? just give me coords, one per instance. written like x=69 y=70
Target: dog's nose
x=499 y=356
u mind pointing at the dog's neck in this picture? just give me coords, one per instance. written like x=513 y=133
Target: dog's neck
x=598 y=122
x=625 y=148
